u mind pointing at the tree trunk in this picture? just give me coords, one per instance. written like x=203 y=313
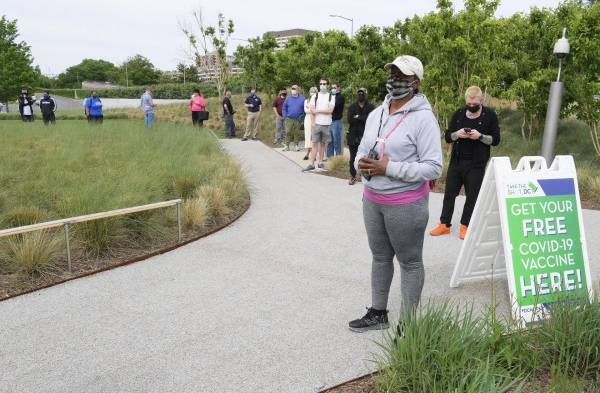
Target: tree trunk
x=595 y=137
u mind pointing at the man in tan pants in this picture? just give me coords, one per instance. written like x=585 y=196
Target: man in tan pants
x=254 y=106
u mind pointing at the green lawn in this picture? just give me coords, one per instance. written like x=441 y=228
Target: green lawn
x=73 y=169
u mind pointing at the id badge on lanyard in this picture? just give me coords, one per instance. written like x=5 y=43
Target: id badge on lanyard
x=382 y=141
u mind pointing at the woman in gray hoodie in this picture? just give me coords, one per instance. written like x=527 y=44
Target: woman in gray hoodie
x=400 y=153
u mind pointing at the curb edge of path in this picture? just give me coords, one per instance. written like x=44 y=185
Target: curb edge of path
x=137 y=258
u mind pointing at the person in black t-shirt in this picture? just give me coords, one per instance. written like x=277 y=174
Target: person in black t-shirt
x=228 y=115
x=472 y=131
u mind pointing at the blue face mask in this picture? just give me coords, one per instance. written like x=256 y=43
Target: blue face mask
x=46 y=96
x=334 y=91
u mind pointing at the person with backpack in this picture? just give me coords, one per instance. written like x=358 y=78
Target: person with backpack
x=93 y=109
x=198 y=108
x=26 y=106
x=48 y=107
x=321 y=106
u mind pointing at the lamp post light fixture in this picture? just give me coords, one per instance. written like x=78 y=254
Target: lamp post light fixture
x=561 y=51
x=348 y=19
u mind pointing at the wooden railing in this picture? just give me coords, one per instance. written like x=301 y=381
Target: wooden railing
x=66 y=222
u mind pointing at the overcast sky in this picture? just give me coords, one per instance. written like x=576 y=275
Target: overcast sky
x=63 y=32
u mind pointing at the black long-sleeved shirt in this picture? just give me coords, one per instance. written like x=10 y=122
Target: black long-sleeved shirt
x=357 y=118
x=469 y=149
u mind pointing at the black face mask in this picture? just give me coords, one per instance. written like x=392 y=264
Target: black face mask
x=473 y=108
x=361 y=97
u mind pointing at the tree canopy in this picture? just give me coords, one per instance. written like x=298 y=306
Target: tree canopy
x=16 y=69
x=508 y=57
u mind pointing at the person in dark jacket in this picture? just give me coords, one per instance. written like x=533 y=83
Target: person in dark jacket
x=48 y=107
x=472 y=131
x=357 y=117
x=335 y=145
x=26 y=105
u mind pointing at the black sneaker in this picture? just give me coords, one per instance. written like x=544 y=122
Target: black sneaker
x=373 y=320
x=244 y=139
x=399 y=332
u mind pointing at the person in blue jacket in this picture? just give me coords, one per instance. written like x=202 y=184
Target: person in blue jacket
x=93 y=109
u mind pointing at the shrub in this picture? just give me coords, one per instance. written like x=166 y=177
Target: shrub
x=33 y=253
x=98 y=237
x=217 y=201
x=195 y=212
x=339 y=163
x=231 y=179
x=25 y=215
x=185 y=186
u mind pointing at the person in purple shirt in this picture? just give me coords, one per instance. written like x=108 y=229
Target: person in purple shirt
x=293 y=114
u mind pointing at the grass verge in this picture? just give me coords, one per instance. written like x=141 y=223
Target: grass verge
x=73 y=169
x=452 y=349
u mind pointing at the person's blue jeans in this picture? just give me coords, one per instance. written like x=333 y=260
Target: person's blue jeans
x=335 y=145
x=148 y=119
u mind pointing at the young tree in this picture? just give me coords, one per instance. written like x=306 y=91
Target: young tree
x=209 y=46
x=16 y=70
x=137 y=71
x=186 y=73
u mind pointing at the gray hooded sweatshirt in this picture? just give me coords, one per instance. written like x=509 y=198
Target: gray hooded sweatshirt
x=414 y=149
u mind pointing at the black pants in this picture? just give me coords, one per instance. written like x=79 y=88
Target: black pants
x=49 y=118
x=229 y=125
x=27 y=118
x=461 y=173
x=95 y=119
x=196 y=119
x=353 y=151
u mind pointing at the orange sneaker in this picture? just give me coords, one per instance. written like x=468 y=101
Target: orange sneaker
x=440 y=229
x=462 y=232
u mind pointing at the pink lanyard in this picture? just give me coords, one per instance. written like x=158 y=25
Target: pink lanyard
x=382 y=141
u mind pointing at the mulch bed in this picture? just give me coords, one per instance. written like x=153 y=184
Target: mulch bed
x=364 y=384
x=12 y=285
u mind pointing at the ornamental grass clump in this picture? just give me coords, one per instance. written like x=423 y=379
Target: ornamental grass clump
x=33 y=253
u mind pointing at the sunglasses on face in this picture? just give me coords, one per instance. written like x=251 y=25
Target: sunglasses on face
x=322 y=84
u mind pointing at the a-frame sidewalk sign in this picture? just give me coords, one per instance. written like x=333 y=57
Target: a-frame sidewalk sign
x=527 y=225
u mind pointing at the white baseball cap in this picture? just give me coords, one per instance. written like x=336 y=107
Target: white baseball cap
x=409 y=65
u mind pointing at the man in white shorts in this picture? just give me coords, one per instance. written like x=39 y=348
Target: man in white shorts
x=321 y=106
